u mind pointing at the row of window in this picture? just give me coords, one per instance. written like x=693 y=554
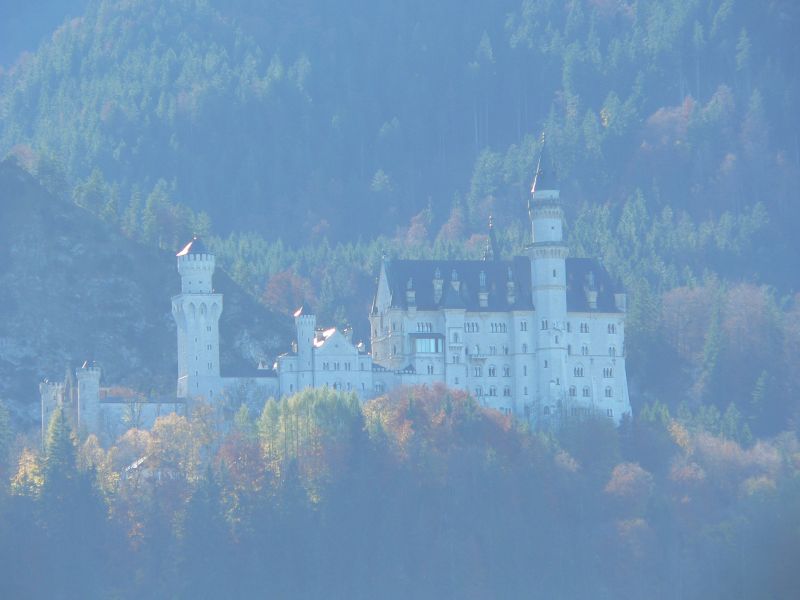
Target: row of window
x=608 y=372
x=586 y=392
x=492 y=392
x=473 y=327
x=326 y=366
x=580 y=410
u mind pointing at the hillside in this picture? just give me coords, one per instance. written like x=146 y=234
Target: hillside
x=350 y=120
x=76 y=289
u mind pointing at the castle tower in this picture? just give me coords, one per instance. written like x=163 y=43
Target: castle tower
x=548 y=254
x=89 y=396
x=196 y=311
x=52 y=396
x=306 y=324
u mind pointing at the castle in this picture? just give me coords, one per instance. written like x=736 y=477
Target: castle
x=540 y=336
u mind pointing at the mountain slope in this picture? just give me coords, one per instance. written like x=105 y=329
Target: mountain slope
x=75 y=289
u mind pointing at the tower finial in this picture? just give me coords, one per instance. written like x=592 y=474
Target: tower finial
x=491 y=252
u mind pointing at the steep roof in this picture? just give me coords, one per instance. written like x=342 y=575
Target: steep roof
x=195 y=246
x=495 y=275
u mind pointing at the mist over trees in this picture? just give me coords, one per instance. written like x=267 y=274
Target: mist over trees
x=421 y=493
x=304 y=140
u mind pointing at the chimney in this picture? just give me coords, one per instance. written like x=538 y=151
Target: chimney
x=438 y=282
x=621 y=301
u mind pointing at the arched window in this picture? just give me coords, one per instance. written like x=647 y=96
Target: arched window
x=612 y=351
x=506 y=391
x=492 y=391
x=492 y=371
x=609 y=392
x=586 y=392
x=585 y=350
x=612 y=328
x=544 y=323
x=578 y=371
x=524 y=348
x=506 y=371
x=572 y=391
x=608 y=372
x=546 y=410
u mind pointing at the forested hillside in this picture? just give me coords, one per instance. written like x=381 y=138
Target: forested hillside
x=306 y=139
x=422 y=494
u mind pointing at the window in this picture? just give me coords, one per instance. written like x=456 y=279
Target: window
x=524 y=348
x=454 y=337
x=578 y=371
x=569 y=349
x=572 y=391
x=609 y=412
x=525 y=370
x=586 y=392
x=585 y=350
x=347 y=366
x=477 y=349
x=506 y=371
x=492 y=390
x=507 y=391
x=584 y=328
x=394 y=350
x=609 y=392
x=336 y=366
x=612 y=328
x=430 y=369
x=608 y=372
x=428 y=345
x=505 y=349
x=544 y=324
x=556 y=340
x=523 y=326
x=525 y=390
x=545 y=364
x=424 y=327
x=569 y=327
x=348 y=386
x=612 y=351
x=456 y=359
x=325 y=366
x=479 y=391
x=476 y=371
x=455 y=380
x=492 y=371
x=493 y=350
x=546 y=410
x=554 y=272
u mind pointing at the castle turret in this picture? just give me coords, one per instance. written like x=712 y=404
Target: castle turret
x=89 y=396
x=548 y=254
x=197 y=310
x=305 y=324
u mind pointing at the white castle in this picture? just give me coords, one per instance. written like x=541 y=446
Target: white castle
x=540 y=337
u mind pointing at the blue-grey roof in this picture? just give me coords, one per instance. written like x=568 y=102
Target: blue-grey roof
x=581 y=272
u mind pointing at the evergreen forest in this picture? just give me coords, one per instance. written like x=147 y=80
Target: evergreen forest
x=305 y=140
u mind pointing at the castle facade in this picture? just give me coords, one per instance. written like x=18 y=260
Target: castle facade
x=540 y=337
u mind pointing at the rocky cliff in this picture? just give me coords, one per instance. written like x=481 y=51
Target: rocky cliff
x=75 y=289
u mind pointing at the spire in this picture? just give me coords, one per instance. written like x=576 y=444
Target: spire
x=491 y=252
x=536 y=177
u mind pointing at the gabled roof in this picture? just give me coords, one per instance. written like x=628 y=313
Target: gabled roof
x=195 y=246
x=419 y=275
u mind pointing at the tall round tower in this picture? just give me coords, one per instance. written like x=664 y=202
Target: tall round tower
x=548 y=254
x=306 y=325
x=196 y=311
